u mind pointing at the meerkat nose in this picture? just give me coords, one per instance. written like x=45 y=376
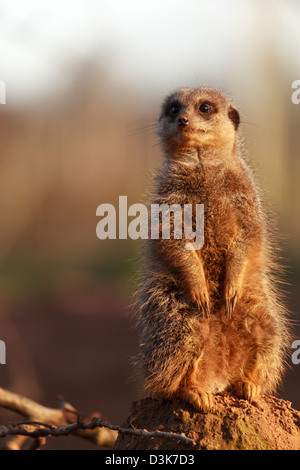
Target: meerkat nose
x=183 y=121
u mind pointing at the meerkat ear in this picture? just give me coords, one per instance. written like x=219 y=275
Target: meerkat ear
x=234 y=117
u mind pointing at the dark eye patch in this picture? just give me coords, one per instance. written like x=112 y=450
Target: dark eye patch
x=173 y=109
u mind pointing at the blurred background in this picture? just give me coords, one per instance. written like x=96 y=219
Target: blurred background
x=84 y=82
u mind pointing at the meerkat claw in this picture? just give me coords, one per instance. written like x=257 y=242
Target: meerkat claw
x=203 y=307
x=230 y=306
x=206 y=310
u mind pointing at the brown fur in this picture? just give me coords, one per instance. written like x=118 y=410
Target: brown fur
x=212 y=319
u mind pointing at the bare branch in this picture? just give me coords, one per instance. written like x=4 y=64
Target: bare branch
x=60 y=422
x=37 y=431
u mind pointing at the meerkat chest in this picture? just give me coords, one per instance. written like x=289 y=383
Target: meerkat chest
x=222 y=213
x=226 y=201
x=220 y=219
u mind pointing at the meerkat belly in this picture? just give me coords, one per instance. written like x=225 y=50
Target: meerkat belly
x=214 y=364
x=220 y=228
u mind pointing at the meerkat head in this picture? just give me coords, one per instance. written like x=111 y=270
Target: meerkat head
x=194 y=119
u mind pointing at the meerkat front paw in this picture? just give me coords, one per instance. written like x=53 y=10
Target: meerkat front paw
x=202 y=401
x=246 y=390
x=230 y=295
x=200 y=297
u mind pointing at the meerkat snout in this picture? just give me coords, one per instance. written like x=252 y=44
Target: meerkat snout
x=183 y=121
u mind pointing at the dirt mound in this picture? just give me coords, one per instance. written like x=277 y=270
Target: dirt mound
x=268 y=424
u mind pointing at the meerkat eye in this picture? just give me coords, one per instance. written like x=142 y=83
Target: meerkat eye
x=174 y=109
x=206 y=108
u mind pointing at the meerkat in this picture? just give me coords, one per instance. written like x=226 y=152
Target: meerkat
x=210 y=319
